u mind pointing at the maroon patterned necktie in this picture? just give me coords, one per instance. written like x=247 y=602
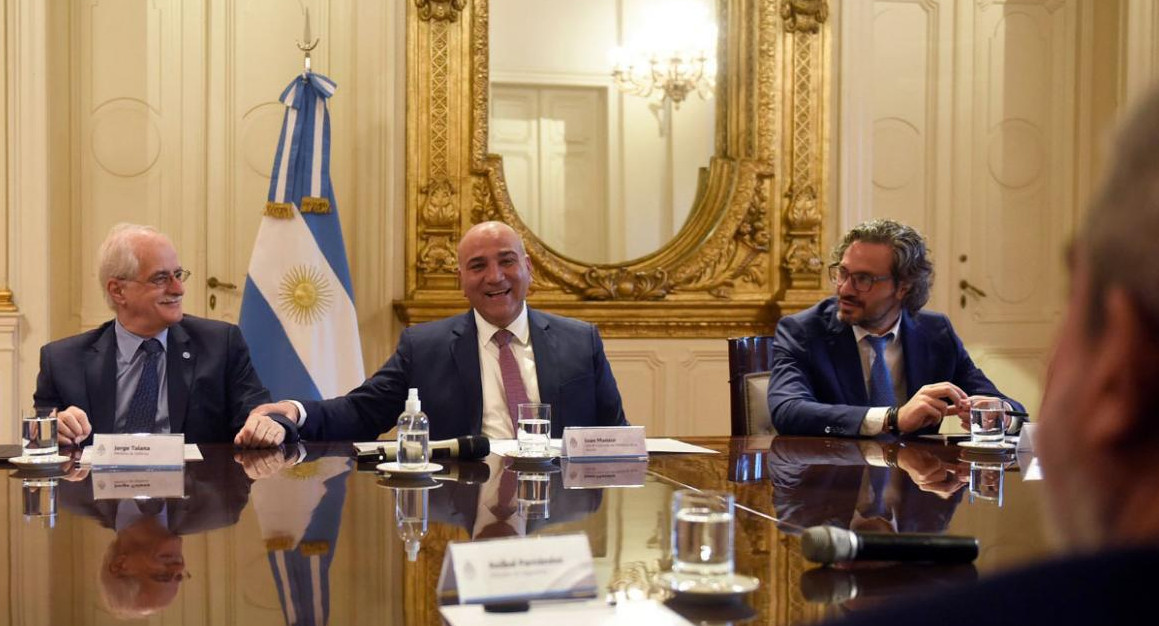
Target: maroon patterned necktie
x=513 y=388
x=503 y=509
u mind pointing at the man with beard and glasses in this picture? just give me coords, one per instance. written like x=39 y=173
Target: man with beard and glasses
x=1098 y=436
x=868 y=360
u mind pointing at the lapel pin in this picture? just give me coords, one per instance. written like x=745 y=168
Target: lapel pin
x=185 y=355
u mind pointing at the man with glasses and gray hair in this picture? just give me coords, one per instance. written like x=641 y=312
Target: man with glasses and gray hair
x=868 y=360
x=151 y=369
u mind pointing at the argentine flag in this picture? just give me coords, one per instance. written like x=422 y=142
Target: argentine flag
x=297 y=312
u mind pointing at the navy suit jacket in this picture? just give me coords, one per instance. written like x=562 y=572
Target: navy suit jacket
x=441 y=360
x=1109 y=587
x=816 y=385
x=211 y=383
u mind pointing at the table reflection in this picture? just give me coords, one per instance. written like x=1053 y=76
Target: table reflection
x=143 y=566
x=872 y=485
x=278 y=537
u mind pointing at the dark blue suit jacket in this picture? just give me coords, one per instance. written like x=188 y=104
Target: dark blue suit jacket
x=817 y=388
x=211 y=391
x=441 y=359
x=1109 y=587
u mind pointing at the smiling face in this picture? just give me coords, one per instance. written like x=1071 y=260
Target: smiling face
x=494 y=272
x=143 y=569
x=142 y=307
x=877 y=309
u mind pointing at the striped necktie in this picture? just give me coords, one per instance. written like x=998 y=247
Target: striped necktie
x=513 y=388
x=880 y=382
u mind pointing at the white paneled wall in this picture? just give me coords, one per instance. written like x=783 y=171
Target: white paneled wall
x=165 y=112
x=673 y=386
x=973 y=121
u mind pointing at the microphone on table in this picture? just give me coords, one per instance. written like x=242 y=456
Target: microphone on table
x=466 y=448
x=829 y=544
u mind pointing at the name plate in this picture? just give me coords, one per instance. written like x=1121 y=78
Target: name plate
x=604 y=442
x=607 y=474
x=517 y=569
x=138 y=450
x=139 y=484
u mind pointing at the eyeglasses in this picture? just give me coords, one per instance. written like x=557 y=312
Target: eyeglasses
x=162 y=279
x=862 y=282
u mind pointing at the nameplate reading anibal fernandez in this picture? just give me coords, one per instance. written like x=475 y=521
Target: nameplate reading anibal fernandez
x=604 y=442
x=521 y=568
x=138 y=450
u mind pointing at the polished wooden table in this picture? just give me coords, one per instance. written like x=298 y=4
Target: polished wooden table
x=255 y=541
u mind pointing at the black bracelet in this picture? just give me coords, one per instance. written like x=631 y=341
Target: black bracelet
x=891 y=421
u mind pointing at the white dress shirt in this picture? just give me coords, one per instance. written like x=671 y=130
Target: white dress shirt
x=875 y=416
x=497 y=421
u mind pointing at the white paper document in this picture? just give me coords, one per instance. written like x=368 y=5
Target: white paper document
x=583 y=613
x=192 y=453
x=672 y=445
x=1032 y=470
x=654 y=444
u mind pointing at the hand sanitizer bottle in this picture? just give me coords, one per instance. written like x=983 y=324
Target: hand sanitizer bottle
x=414 y=434
x=410 y=518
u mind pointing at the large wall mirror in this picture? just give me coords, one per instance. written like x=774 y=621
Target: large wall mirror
x=602 y=172
x=693 y=211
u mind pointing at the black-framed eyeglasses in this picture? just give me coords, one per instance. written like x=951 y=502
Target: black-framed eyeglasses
x=162 y=279
x=862 y=282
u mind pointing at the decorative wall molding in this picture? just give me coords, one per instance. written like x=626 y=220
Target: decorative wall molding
x=440 y=10
x=720 y=275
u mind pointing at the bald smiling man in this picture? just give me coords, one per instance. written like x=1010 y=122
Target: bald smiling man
x=457 y=363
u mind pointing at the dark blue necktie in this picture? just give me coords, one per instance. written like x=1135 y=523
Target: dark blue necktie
x=878 y=479
x=142 y=415
x=880 y=382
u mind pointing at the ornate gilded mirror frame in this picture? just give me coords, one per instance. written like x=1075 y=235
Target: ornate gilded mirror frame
x=751 y=247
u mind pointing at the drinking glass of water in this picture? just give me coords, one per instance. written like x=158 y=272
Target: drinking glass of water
x=38 y=428
x=533 y=495
x=988 y=421
x=986 y=482
x=702 y=533
x=534 y=429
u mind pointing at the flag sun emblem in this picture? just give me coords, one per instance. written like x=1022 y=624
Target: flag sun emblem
x=304 y=294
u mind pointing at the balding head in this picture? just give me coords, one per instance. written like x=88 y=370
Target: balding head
x=494 y=271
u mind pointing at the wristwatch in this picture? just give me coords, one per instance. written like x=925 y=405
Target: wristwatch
x=891 y=421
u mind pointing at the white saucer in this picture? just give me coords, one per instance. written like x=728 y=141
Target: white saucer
x=708 y=586
x=988 y=446
x=45 y=462
x=394 y=468
x=552 y=454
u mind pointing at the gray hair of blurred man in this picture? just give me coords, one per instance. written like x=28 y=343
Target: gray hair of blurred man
x=1119 y=239
x=1121 y=230
x=911 y=259
x=117 y=257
